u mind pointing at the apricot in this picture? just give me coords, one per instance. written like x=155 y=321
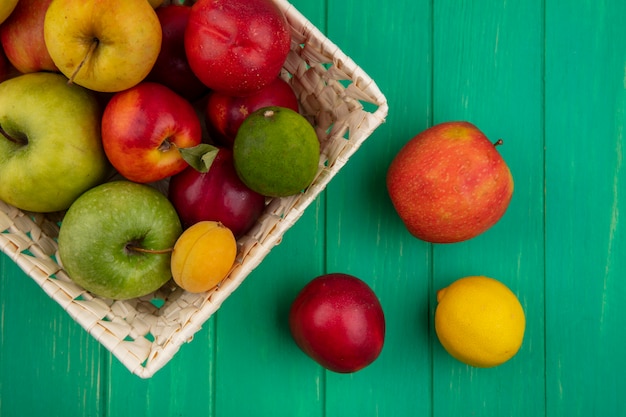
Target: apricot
x=203 y=255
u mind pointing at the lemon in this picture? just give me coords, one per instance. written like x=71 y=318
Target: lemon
x=276 y=152
x=479 y=321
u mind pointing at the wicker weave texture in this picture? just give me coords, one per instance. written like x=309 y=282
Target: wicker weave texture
x=145 y=333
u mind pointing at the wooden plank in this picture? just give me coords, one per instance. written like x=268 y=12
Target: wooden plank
x=259 y=369
x=184 y=386
x=585 y=291
x=48 y=364
x=488 y=70
x=365 y=237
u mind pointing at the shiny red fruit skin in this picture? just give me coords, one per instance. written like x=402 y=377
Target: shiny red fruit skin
x=236 y=46
x=171 y=67
x=217 y=195
x=224 y=113
x=138 y=122
x=338 y=321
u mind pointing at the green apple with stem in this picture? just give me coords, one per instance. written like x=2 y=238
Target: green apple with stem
x=116 y=240
x=106 y=46
x=50 y=144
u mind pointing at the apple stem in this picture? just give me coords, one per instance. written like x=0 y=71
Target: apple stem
x=92 y=48
x=11 y=138
x=152 y=251
x=166 y=145
x=498 y=142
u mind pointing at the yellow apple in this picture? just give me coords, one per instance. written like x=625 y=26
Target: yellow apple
x=6 y=7
x=103 y=45
x=155 y=3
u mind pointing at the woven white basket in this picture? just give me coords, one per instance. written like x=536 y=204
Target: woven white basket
x=145 y=333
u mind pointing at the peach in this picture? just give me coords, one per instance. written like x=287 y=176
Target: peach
x=203 y=256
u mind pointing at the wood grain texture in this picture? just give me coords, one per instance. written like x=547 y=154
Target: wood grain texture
x=487 y=69
x=585 y=184
x=546 y=76
x=364 y=236
x=47 y=361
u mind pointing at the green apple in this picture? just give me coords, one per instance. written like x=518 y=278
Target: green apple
x=116 y=240
x=106 y=46
x=50 y=146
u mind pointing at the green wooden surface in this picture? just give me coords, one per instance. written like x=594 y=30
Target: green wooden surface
x=546 y=76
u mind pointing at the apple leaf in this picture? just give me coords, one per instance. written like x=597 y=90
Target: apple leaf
x=200 y=157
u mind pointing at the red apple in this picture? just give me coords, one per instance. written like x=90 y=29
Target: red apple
x=236 y=46
x=142 y=129
x=6 y=69
x=171 y=67
x=22 y=37
x=217 y=195
x=225 y=113
x=4 y=66
x=449 y=183
x=338 y=321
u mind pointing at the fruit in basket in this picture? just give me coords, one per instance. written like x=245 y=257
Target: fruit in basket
x=203 y=256
x=22 y=37
x=171 y=67
x=236 y=46
x=216 y=194
x=449 y=183
x=225 y=113
x=143 y=128
x=479 y=321
x=6 y=8
x=276 y=152
x=116 y=240
x=106 y=46
x=338 y=321
x=50 y=147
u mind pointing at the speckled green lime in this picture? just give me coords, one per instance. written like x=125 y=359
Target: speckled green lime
x=276 y=152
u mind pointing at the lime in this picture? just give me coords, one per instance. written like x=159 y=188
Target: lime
x=276 y=152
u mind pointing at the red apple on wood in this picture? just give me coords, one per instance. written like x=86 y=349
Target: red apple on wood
x=22 y=37
x=171 y=67
x=338 y=321
x=449 y=183
x=217 y=194
x=236 y=46
x=143 y=128
x=225 y=113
